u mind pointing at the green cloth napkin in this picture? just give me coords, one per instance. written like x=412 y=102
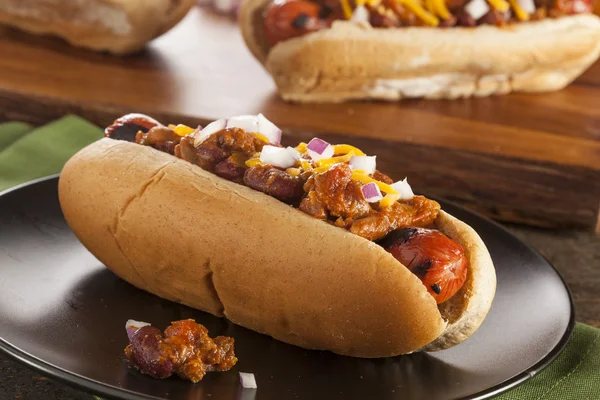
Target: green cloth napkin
x=573 y=375
x=27 y=153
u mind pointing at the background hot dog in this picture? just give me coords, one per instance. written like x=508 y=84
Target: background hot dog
x=285 y=19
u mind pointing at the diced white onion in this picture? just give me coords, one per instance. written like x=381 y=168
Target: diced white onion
x=225 y=6
x=319 y=149
x=279 y=156
x=248 y=380
x=528 y=6
x=360 y=14
x=269 y=130
x=477 y=8
x=295 y=153
x=404 y=189
x=249 y=123
x=132 y=326
x=208 y=130
x=579 y=6
x=364 y=163
x=371 y=192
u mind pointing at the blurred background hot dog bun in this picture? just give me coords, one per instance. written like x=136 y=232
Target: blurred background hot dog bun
x=116 y=26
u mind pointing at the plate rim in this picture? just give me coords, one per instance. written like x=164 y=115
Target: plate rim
x=97 y=388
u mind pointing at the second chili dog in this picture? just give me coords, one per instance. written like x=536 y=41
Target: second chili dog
x=285 y=19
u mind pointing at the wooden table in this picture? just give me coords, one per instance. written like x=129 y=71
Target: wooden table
x=531 y=159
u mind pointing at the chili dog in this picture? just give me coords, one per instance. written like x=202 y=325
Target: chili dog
x=115 y=26
x=338 y=50
x=311 y=244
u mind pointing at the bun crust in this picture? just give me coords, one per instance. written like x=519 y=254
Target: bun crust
x=116 y=26
x=186 y=235
x=355 y=61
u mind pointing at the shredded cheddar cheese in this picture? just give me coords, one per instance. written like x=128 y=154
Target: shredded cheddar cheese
x=388 y=200
x=261 y=137
x=253 y=162
x=384 y=187
x=335 y=160
x=440 y=9
x=373 y=3
x=301 y=147
x=519 y=12
x=321 y=169
x=346 y=8
x=305 y=165
x=361 y=2
x=500 y=5
x=420 y=12
x=293 y=171
x=341 y=149
x=429 y=6
x=181 y=130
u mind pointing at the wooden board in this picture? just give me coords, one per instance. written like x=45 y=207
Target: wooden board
x=531 y=159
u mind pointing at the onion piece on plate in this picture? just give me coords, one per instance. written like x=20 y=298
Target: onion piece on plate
x=248 y=381
x=371 y=192
x=319 y=149
x=364 y=163
x=403 y=189
x=132 y=326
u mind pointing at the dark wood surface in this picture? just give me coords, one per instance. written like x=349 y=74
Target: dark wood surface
x=532 y=159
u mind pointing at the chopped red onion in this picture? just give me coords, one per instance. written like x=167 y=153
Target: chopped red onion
x=360 y=14
x=371 y=192
x=477 y=8
x=248 y=381
x=132 y=326
x=318 y=149
x=249 y=123
x=279 y=156
x=269 y=129
x=208 y=130
x=527 y=5
x=364 y=163
x=403 y=189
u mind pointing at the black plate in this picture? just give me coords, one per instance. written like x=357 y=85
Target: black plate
x=63 y=313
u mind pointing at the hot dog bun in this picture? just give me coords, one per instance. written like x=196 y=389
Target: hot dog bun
x=355 y=61
x=184 y=234
x=116 y=26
